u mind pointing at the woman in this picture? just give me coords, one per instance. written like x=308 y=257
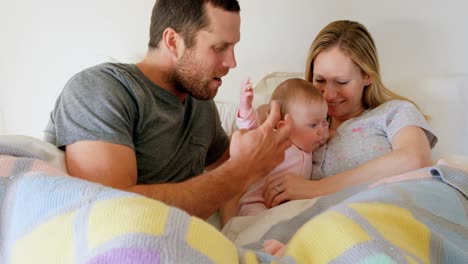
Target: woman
x=374 y=133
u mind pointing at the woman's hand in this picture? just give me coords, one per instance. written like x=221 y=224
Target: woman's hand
x=288 y=186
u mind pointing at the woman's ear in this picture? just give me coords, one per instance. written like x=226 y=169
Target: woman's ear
x=367 y=80
x=173 y=42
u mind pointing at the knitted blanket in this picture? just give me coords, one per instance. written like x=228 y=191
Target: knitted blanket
x=49 y=217
x=417 y=221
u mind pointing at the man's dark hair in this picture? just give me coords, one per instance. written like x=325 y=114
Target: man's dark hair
x=186 y=17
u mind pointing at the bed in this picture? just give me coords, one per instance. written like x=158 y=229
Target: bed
x=49 y=217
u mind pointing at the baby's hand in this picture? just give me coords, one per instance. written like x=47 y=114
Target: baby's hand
x=246 y=98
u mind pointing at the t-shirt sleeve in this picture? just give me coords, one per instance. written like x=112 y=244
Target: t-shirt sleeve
x=220 y=140
x=96 y=106
x=403 y=114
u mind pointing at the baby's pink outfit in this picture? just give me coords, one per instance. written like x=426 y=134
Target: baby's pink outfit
x=296 y=161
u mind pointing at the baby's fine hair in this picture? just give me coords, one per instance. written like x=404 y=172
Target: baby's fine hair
x=295 y=91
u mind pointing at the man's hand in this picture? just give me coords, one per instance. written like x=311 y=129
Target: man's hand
x=246 y=98
x=262 y=149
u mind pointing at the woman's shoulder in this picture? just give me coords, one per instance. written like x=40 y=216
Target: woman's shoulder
x=393 y=111
x=395 y=104
x=393 y=107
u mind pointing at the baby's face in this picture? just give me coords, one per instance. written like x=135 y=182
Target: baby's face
x=310 y=126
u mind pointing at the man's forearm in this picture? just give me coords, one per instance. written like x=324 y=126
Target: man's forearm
x=202 y=195
x=253 y=154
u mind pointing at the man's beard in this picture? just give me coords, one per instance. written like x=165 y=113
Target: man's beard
x=189 y=77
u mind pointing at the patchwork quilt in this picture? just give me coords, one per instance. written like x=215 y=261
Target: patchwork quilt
x=50 y=217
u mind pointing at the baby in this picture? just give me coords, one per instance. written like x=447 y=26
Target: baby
x=308 y=110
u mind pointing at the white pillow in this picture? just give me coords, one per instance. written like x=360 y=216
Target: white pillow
x=227 y=113
x=268 y=84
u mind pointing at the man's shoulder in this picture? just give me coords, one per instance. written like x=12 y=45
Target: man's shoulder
x=104 y=77
x=107 y=68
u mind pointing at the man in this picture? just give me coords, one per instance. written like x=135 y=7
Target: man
x=150 y=128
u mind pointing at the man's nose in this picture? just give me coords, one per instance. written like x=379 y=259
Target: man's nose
x=230 y=60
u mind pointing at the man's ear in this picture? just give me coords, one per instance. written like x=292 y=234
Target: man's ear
x=173 y=42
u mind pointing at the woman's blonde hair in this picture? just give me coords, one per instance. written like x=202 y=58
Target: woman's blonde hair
x=355 y=41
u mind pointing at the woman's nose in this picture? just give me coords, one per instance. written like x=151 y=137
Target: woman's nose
x=329 y=92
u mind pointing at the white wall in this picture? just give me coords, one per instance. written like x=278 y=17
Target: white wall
x=43 y=43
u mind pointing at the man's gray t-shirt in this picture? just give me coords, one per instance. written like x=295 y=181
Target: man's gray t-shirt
x=116 y=103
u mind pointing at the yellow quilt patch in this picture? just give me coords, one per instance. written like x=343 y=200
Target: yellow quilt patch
x=325 y=237
x=112 y=218
x=250 y=258
x=51 y=242
x=398 y=226
x=210 y=242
